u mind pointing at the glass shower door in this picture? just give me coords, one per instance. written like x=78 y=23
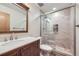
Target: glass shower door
x=57 y=30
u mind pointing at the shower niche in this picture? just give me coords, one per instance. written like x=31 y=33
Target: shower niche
x=55 y=28
x=13 y=17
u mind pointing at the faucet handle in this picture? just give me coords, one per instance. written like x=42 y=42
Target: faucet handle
x=11 y=37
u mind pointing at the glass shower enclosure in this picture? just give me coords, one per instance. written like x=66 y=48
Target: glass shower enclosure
x=57 y=30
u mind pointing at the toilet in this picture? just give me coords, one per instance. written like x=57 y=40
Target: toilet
x=45 y=50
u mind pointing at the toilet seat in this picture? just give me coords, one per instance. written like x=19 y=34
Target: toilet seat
x=45 y=47
x=45 y=50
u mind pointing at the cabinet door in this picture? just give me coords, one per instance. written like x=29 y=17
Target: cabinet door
x=26 y=50
x=31 y=49
x=35 y=51
x=35 y=48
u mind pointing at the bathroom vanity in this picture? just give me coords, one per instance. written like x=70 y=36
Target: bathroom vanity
x=29 y=47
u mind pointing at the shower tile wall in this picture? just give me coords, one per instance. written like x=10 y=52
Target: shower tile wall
x=64 y=37
x=65 y=20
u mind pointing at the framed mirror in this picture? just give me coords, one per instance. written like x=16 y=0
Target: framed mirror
x=13 y=18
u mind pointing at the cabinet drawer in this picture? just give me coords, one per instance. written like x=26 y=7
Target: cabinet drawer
x=12 y=53
x=36 y=44
x=31 y=49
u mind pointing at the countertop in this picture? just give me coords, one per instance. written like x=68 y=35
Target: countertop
x=17 y=43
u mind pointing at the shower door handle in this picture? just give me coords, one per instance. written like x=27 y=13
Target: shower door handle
x=77 y=25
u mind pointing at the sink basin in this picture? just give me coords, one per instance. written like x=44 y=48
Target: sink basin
x=1 y=43
x=14 y=42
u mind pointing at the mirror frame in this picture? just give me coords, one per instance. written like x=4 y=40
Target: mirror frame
x=22 y=6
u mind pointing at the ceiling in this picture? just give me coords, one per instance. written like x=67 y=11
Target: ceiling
x=47 y=7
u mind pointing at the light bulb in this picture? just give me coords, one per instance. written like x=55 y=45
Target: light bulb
x=54 y=9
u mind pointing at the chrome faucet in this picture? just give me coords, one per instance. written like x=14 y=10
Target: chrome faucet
x=11 y=37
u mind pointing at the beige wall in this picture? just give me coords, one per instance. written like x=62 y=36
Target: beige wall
x=33 y=24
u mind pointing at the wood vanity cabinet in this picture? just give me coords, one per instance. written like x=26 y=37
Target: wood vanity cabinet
x=32 y=49
x=14 y=52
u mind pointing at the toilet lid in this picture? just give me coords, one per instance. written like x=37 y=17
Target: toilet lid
x=46 y=47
